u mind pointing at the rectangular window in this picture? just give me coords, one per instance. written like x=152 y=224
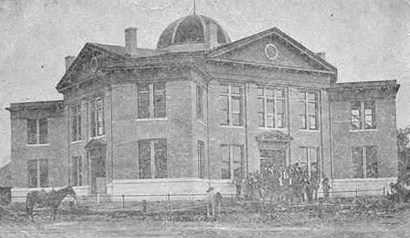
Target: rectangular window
x=97 y=118
x=308 y=110
x=271 y=107
x=365 y=162
x=231 y=104
x=152 y=158
x=232 y=161
x=151 y=100
x=76 y=123
x=363 y=115
x=143 y=100
x=199 y=103
x=311 y=159
x=77 y=170
x=201 y=159
x=37 y=131
x=37 y=173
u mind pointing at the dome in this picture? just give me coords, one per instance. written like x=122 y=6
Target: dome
x=189 y=33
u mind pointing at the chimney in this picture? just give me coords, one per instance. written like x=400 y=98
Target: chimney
x=68 y=61
x=321 y=55
x=212 y=35
x=131 y=41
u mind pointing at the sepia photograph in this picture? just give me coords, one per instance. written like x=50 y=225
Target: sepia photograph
x=204 y=118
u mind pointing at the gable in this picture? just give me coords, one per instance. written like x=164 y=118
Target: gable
x=81 y=68
x=255 y=53
x=273 y=136
x=271 y=48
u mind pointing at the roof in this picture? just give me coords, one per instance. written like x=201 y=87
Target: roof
x=190 y=29
x=244 y=41
x=120 y=50
x=367 y=84
x=35 y=105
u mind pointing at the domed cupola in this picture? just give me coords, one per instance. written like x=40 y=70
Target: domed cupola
x=192 y=33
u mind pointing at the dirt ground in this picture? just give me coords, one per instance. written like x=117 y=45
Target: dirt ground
x=302 y=224
x=97 y=226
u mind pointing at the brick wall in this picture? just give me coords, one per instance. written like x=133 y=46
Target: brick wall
x=54 y=151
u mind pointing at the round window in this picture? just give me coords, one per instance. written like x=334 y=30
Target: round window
x=94 y=64
x=271 y=52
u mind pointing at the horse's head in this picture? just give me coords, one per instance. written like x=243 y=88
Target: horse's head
x=70 y=192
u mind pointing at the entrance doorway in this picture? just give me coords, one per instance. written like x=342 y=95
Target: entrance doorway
x=97 y=170
x=272 y=158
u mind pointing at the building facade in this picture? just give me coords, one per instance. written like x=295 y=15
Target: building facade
x=201 y=110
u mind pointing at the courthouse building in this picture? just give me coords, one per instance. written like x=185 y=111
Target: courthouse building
x=198 y=111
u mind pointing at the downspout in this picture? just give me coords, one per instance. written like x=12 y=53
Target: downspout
x=288 y=123
x=68 y=144
x=321 y=134
x=246 y=127
x=112 y=144
x=207 y=130
x=331 y=142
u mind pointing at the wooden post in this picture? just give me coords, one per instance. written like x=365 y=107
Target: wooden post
x=169 y=206
x=356 y=192
x=144 y=206
x=123 y=204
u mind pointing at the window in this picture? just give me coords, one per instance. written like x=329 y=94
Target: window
x=365 y=163
x=37 y=131
x=201 y=159
x=97 y=117
x=232 y=161
x=37 y=173
x=311 y=159
x=231 y=104
x=151 y=100
x=308 y=110
x=77 y=170
x=199 y=103
x=152 y=158
x=363 y=115
x=76 y=123
x=271 y=107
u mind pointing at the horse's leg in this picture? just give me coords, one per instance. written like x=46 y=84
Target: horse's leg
x=54 y=213
x=207 y=209
x=213 y=206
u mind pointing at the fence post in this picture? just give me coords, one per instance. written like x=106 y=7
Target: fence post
x=123 y=204
x=144 y=206
x=384 y=190
x=356 y=192
x=169 y=206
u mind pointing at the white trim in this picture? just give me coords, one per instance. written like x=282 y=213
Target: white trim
x=96 y=137
x=304 y=130
x=355 y=180
x=364 y=130
x=171 y=180
x=236 y=127
x=152 y=119
x=37 y=145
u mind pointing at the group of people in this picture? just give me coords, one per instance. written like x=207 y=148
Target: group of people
x=292 y=182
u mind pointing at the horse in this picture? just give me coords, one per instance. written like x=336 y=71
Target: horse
x=50 y=199
x=400 y=191
x=213 y=201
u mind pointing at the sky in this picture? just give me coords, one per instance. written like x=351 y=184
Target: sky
x=366 y=40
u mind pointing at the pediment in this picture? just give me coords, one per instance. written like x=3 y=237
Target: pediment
x=83 y=66
x=94 y=143
x=271 y=48
x=273 y=136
